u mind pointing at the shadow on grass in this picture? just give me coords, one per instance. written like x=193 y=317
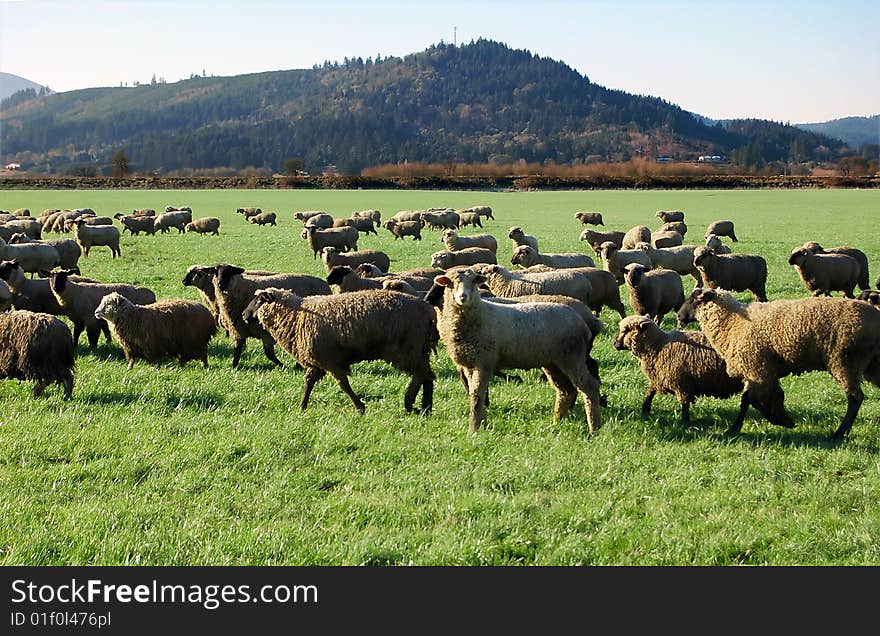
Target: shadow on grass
x=172 y=401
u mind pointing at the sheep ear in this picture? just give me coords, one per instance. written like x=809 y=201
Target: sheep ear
x=443 y=281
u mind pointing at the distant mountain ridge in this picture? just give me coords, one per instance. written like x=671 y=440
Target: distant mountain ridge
x=480 y=102
x=11 y=84
x=855 y=131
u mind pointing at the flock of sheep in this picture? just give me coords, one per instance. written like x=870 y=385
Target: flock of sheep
x=489 y=318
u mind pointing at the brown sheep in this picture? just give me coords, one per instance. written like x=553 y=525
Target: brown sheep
x=37 y=347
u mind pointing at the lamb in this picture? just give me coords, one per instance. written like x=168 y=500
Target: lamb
x=330 y=256
x=565 y=282
x=857 y=254
x=682 y=363
x=234 y=289
x=589 y=218
x=454 y=242
x=666 y=238
x=68 y=250
x=78 y=301
x=202 y=278
x=668 y=216
x=204 y=225
x=525 y=256
x=483 y=338
x=176 y=219
x=328 y=334
x=595 y=239
x=321 y=220
x=637 y=234
x=89 y=236
x=263 y=218
x=248 y=212
x=368 y=214
x=468 y=256
x=469 y=218
x=614 y=259
x=33 y=257
x=721 y=228
x=518 y=237
x=735 y=272
x=653 y=292
x=675 y=226
x=715 y=245
x=824 y=273
x=679 y=259
x=482 y=210
x=137 y=224
x=172 y=328
x=37 y=347
x=342 y=238
x=344 y=279
x=764 y=342
x=405 y=228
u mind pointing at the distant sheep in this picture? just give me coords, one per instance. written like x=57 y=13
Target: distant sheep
x=441 y=220
x=174 y=219
x=482 y=210
x=362 y=224
x=525 y=256
x=305 y=215
x=204 y=225
x=857 y=254
x=405 y=228
x=454 y=242
x=137 y=224
x=589 y=218
x=595 y=239
x=368 y=214
x=469 y=256
x=637 y=234
x=469 y=218
x=37 y=348
x=248 y=212
x=407 y=215
x=519 y=237
x=675 y=226
x=669 y=216
x=343 y=239
x=825 y=273
x=734 y=272
x=89 y=236
x=721 y=228
x=653 y=292
x=263 y=218
x=143 y=212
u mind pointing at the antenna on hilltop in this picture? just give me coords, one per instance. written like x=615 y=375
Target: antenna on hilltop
x=454 y=36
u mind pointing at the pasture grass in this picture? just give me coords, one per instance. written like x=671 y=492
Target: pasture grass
x=162 y=465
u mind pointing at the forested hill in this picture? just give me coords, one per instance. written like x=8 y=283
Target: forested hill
x=473 y=103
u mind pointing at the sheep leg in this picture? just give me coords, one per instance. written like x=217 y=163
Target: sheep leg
x=105 y=329
x=770 y=402
x=236 y=352
x=342 y=379
x=312 y=377
x=269 y=349
x=479 y=387
x=685 y=411
x=77 y=332
x=93 y=332
x=67 y=383
x=428 y=395
x=580 y=376
x=646 y=403
x=853 y=404
x=566 y=394
x=39 y=387
x=736 y=427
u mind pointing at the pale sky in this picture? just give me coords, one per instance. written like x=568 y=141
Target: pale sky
x=787 y=61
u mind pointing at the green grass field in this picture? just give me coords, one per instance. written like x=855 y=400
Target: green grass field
x=169 y=466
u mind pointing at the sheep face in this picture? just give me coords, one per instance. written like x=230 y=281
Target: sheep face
x=465 y=286
x=515 y=233
x=631 y=329
x=870 y=296
x=198 y=275
x=701 y=255
x=448 y=235
x=368 y=270
x=813 y=247
x=10 y=270
x=261 y=297
x=523 y=255
x=799 y=256
x=687 y=313
x=338 y=273
x=633 y=274
x=607 y=250
x=224 y=275
x=110 y=306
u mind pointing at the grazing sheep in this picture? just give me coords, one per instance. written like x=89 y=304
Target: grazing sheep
x=653 y=292
x=469 y=256
x=234 y=288
x=735 y=272
x=482 y=210
x=669 y=216
x=484 y=337
x=679 y=259
x=764 y=342
x=525 y=256
x=27 y=226
x=328 y=334
x=469 y=218
x=263 y=218
x=248 y=212
x=721 y=228
x=665 y=238
x=857 y=254
x=79 y=299
x=204 y=225
x=564 y=282
x=137 y=224
x=595 y=239
x=825 y=273
x=870 y=296
x=454 y=242
x=714 y=244
x=330 y=256
x=68 y=250
x=342 y=238
x=637 y=234
x=405 y=228
x=518 y=237
x=368 y=214
x=174 y=219
x=682 y=363
x=614 y=259
x=344 y=279
x=37 y=347
x=361 y=224
x=33 y=257
x=589 y=218
x=675 y=226
x=89 y=236
x=172 y=328
x=202 y=278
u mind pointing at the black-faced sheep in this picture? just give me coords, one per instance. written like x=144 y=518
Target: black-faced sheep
x=615 y=260
x=305 y=215
x=454 y=242
x=637 y=234
x=653 y=292
x=202 y=278
x=79 y=299
x=468 y=256
x=735 y=272
x=32 y=294
x=344 y=280
x=171 y=328
x=679 y=259
x=665 y=238
x=483 y=337
x=89 y=236
x=682 y=363
x=330 y=256
x=204 y=225
x=595 y=239
x=405 y=228
x=764 y=342
x=669 y=216
x=566 y=282
x=419 y=279
x=525 y=256
x=721 y=228
x=825 y=273
x=36 y=347
x=857 y=254
x=518 y=237
x=589 y=218
x=343 y=239
x=69 y=250
x=142 y=212
x=328 y=334
x=234 y=288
